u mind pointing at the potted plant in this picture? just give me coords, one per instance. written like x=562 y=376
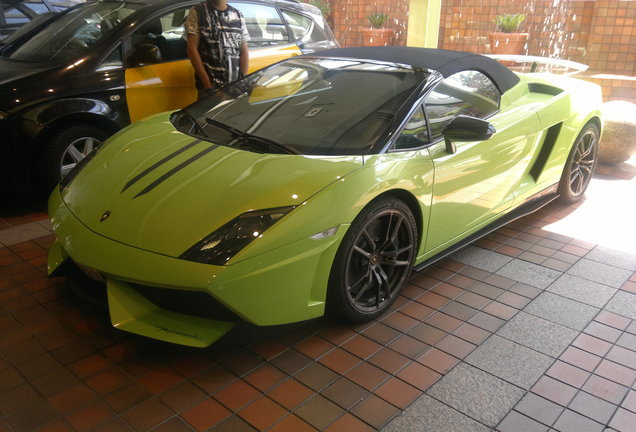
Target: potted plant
x=507 y=39
x=377 y=34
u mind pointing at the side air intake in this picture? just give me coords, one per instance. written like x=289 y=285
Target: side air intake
x=551 y=136
x=544 y=89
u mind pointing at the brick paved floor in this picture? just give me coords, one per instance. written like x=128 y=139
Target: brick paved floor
x=532 y=328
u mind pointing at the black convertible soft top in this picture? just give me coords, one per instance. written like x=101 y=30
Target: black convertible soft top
x=445 y=62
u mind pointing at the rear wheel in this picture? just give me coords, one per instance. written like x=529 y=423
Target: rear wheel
x=373 y=261
x=66 y=149
x=580 y=165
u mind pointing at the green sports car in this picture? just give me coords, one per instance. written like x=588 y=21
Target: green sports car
x=315 y=185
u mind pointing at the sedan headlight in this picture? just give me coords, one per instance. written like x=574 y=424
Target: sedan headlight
x=220 y=246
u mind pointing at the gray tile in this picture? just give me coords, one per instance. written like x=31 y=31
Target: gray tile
x=22 y=233
x=510 y=361
x=476 y=393
x=428 y=415
x=528 y=273
x=537 y=333
x=599 y=272
x=623 y=303
x=515 y=422
x=538 y=408
x=574 y=422
x=613 y=257
x=583 y=290
x=593 y=407
x=562 y=311
x=481 y=258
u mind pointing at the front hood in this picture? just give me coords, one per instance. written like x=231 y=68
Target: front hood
x=17 y=80
x=157 y=189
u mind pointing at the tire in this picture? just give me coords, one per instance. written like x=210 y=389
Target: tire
x=66 y=149
x=580 y=165
x=373 y=261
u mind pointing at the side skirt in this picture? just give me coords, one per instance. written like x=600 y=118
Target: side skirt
x=531 y=205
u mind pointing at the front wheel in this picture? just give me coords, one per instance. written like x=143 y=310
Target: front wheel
x=580 y=165
x=374 y=261
x=66 y=149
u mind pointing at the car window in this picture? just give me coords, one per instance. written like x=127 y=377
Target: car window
x=264 y=24
x=415 y=133
x=75 y=33
x=164 y=34
x=468 y=92
x=113 y=61
x=15 y=16
x=300 y=25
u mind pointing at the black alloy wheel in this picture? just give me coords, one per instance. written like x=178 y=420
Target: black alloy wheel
x=374 y=260
x=580 y=165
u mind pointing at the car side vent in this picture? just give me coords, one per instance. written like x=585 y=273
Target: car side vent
x=544 y=89
x=550 y=138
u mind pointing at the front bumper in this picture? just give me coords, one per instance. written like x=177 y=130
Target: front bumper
x=282 y=286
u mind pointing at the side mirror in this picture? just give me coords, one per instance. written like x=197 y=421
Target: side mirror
x=144 y=54
x=466 y=128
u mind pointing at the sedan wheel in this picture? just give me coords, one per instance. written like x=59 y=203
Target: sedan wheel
x=75 y=152
x=580 y=165
x=66 y=149
x=374 y=261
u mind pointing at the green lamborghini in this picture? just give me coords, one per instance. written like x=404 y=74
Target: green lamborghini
x=316 y=185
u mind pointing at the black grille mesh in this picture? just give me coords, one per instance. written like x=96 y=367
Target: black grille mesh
x=193 y=303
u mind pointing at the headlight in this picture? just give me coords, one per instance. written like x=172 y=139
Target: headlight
x=3 y=115
x=220 y=246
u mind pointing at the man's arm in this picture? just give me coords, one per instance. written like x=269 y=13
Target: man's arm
x=197 y=63
x=244 y=59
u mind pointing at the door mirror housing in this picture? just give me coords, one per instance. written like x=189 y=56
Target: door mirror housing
x=145 y=54
x=465 y=128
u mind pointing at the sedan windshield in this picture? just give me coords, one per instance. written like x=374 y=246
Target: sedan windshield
x=311 y=106
x=74 y=33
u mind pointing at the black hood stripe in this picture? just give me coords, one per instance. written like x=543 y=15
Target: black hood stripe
x=176 y=169
x=158 y=164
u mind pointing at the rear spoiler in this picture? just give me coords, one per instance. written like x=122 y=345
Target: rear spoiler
x=536 y=60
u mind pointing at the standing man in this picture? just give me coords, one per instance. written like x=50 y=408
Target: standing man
x=217 y=44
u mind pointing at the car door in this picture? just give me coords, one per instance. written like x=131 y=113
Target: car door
x=477 y=182
x=159 y=76
x=270 y=38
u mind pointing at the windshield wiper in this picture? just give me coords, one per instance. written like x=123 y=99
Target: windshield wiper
x=253 y=139
x=196 y=123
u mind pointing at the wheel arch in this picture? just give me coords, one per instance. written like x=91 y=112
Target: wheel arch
x=411 y=202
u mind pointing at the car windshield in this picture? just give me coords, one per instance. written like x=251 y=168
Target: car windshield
x=311 y=106
x=74 y=33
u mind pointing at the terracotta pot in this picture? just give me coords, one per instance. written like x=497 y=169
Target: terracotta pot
x=508 y=43
x=376 y=36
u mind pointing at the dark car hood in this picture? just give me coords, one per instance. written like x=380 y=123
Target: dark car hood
x=17 y=77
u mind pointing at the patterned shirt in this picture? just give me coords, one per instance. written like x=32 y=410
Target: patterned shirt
x=221 y=34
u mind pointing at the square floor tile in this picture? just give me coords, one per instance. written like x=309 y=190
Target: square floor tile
x=599 y=272
x=592 y=407
x=623 y=303
x=537 y=333
x=477 y=394
x=429 y=415
x=510 y=361
x=481 y=258
x=561 y=310
x=539 y=409
x=529 y=273
x=582 y=290
x=515 y=422
x=571 y=421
